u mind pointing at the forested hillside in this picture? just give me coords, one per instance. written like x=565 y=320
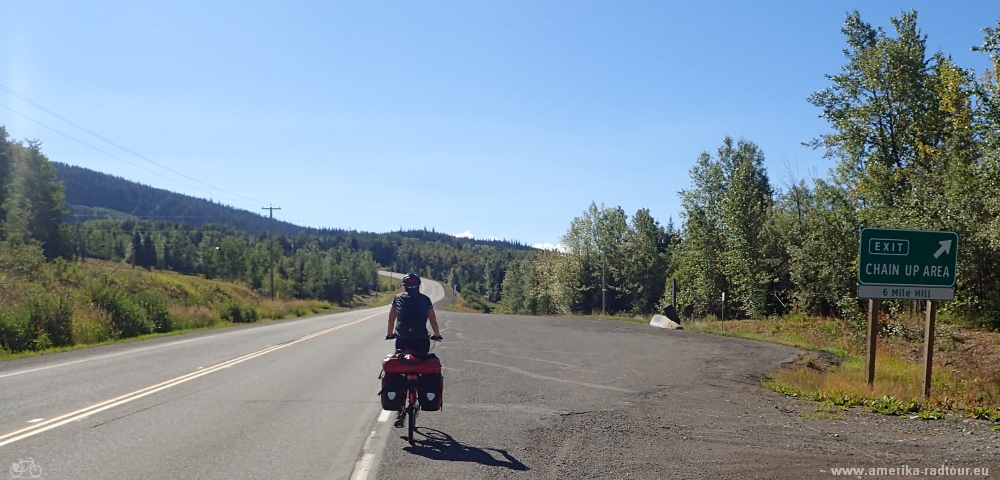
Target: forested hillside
x=110 y=218
x=100 y=191
x=91 y=195
x=138 y=260
x=915 y=144
x=327 y=267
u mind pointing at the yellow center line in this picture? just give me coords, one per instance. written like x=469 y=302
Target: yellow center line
x=128 y=397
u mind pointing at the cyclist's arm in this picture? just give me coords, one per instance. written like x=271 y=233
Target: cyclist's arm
x=392 y=321
x=434 y=321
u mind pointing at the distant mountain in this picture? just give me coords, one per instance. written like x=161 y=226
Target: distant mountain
x=94 y=195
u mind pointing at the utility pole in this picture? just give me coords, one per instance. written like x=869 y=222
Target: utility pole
x=270 y=233
x=674 y=296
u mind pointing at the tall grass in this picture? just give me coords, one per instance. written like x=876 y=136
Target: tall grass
x=62 y=304
x=898 y=370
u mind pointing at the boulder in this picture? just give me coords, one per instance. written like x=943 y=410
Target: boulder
x=664 y=322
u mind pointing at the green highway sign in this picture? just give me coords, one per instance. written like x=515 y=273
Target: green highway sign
x=907 y=264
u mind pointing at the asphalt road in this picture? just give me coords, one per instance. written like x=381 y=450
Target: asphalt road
x=531 y=397
x=288 y=399
x=557 y=398
x=525 y=397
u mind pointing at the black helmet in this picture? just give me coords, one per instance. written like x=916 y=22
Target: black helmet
x=411 y=281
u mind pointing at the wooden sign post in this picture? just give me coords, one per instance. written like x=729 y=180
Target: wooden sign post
x=907 y=265
x=929 y=346
x=872 y=336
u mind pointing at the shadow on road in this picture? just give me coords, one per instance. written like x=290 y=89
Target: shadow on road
x=438 y=445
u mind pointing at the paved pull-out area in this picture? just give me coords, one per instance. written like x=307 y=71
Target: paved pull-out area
x=554 y=398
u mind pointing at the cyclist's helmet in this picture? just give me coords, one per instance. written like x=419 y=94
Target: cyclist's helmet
x=411 y=282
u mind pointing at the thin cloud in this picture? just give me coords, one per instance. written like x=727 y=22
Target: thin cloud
x=548 y=246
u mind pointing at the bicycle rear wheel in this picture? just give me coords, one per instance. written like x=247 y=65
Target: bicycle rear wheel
x=412 y=420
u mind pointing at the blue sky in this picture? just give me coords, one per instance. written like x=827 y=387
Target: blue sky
x=503 y=119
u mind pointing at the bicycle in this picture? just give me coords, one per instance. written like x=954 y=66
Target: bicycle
x=17 y=470
x=412 y=408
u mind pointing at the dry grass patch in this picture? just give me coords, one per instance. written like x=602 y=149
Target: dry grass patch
x=281 y=309
x=965 y=380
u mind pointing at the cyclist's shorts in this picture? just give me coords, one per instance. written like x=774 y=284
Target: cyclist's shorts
x=420 y=346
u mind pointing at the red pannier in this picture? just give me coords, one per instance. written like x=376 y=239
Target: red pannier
x=431 y=386
x=410 y=363
x=393 y=392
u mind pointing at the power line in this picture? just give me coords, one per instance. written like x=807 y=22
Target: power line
x=100 y=137
x=146 y=217
x=81 y=142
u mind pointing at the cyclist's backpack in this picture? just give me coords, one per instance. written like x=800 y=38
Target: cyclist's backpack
x=393 y=392
x=431 y=387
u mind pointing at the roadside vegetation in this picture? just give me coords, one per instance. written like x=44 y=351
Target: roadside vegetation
x=65 y=304
x=914 y=143
x=966 y=374
x=56 y=305
x=471 y=302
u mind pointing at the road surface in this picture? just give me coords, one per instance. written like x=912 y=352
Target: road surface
x=525 y=397
x=286 y=399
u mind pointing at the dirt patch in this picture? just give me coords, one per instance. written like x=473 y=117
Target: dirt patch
x=741 y=432
x=817 y=360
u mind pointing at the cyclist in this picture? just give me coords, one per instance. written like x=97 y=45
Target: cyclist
x=408 y=317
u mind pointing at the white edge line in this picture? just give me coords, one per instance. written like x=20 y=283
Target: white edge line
x=384 y=416
x=363 y=466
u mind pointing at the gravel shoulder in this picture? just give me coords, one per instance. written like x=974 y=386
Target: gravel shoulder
x=531 y=397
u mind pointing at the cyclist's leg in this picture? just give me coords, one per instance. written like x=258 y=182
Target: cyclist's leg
x=400 y=418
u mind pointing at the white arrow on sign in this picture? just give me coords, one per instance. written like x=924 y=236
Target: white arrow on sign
x=945 y=248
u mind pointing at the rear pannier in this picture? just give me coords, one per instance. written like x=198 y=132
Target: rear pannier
x=393 y=392
x=409 y=363
x=431 y=388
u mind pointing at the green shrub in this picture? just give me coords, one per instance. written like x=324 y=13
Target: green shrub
x=474 y=301
x=45 y=322
x=930 y=415
x=16 y=334
x=51 y=316
x=42 y=341
x=128 y=319
x=237 y=313
x=985 y=413
x=889 y=405
x=156 y=311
